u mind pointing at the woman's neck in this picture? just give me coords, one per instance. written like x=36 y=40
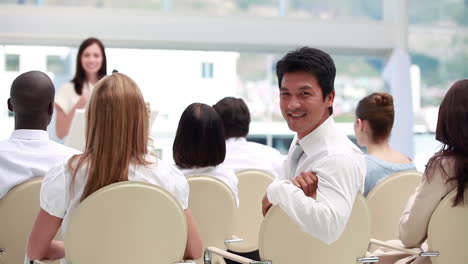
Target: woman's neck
x=377 y=148
x=92 y=78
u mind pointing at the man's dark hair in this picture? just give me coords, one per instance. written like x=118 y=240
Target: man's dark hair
x=32 y=100
x=235 y=115
x=314 y=61
x=199 y=140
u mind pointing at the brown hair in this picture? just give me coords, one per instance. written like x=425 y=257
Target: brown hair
x=377 y=110
x=452 y=131
x=235 y=115
x=117 y=133
x=199 y=140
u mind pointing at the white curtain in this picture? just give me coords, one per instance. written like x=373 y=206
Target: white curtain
x=397 y=76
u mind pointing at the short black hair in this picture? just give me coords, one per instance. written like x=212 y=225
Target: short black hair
x=235 y=115
x=314 y=61
x=199 y=140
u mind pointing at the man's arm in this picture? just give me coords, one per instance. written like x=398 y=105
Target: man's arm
x=325 y=217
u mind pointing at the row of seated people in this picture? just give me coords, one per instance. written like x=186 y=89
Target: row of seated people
x=316 y=187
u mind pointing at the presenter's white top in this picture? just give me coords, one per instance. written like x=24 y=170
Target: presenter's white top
x=67 y=96
x=340 y=167
x=27 y=154
x=57 y=200
x=243 y=155
x=220 y=172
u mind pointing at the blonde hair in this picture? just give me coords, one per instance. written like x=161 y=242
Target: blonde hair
x=117 y=133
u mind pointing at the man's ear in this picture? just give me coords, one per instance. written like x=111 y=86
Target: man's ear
x=50 y=109
x=10 y=106
x=330 y=98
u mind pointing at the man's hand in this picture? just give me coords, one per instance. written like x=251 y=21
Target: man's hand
x=308 y=182
x=265 y=205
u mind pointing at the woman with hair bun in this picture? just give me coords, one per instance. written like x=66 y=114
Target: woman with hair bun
x=374 y=121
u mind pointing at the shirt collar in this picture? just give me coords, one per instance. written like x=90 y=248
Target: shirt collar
x=30 y=134
x=313 y=140
x=234 y=139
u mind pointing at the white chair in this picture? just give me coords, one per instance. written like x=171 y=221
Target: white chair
x=127 y=222
x=76 y=136
x=213 y=206
x=387 y=201
x=283 y=242
x=252 y=187
x=18 y=210
x=447 y=235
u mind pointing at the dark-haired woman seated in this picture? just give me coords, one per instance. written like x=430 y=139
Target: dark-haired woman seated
x=446 y=170
x=199 y=147
x=374 y=121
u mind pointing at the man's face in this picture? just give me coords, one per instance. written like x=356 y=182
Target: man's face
x=302 y=103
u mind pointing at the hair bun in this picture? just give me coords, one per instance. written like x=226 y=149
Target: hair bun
x=383 y=99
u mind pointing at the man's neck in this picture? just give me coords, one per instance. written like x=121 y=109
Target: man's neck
x=37 y=124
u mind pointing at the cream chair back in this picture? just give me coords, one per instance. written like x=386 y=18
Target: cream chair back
x=448 y=231
x=18 y=211
x=283 y=242
x=387 y=201
x=252 y=186
x=213 y=206
x=127 y=222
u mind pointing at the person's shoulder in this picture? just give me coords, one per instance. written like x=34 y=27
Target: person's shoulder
x=66 y=89
x=61 y=149
x=263 y=148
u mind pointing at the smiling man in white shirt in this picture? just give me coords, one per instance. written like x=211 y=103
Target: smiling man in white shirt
x=29 y=153
x=324 y=170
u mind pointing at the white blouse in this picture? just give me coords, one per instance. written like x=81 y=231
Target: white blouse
x=57 y=200
x=228 y=176
x=67 y=96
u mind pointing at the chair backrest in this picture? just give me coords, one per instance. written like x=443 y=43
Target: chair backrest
x=18 y=210
x=76 y=136
x=283 y=242
x=448 y=231
x=252 y=187
x=213 y=206
x=387 y=201
x=127 y=222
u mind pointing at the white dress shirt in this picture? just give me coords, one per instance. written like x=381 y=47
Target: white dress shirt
x=220 y=172
x=340 y=167
x=243 y=155
x=57 y=199
x=27 y=154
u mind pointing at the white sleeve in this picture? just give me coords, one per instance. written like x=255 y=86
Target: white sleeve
x=324 y=218
x=54 y=191
x=179 y=188
x=64 y=98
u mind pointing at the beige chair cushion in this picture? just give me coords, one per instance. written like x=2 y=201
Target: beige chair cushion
x=448 y=231
x=127 y=222
x=213 y=206
x=252 y=187
x=18 y=211
x=387 y=201
x=282 y=241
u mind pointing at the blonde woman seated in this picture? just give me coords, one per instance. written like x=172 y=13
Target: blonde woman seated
x=374 y=121
x=446 y=170
x=199 y=147
x=116 y=150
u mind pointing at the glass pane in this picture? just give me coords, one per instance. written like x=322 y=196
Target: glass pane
x=225 y=7
x=438 y=12
x=331 y=9
x=12 y=62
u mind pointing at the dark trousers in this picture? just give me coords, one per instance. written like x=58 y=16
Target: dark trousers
x=254 y=255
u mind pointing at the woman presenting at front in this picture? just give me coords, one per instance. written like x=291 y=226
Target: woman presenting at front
x=91 y=66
